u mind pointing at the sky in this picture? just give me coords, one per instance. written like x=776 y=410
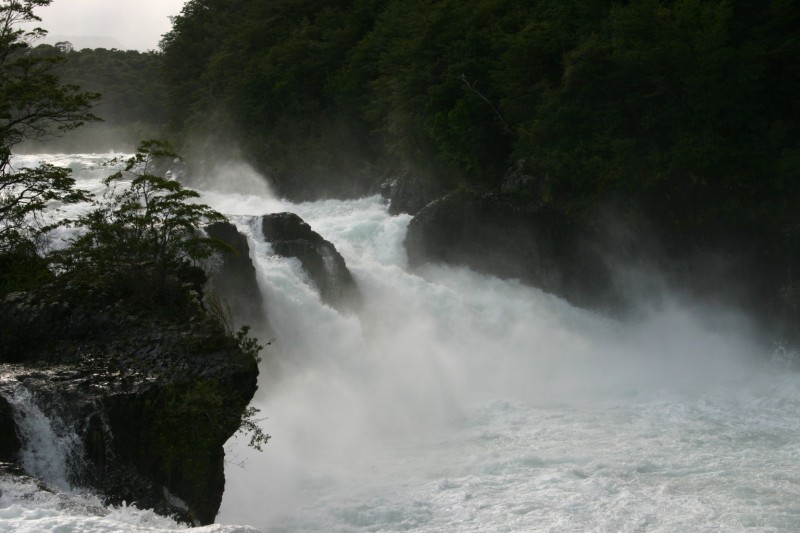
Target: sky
x=123 y=24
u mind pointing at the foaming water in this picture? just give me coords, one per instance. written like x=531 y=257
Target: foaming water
x=460 y=402
x=26 y=508
x=51 y=451
x=53 y=455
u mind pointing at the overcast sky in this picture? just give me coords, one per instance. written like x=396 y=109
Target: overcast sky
x=135 y=24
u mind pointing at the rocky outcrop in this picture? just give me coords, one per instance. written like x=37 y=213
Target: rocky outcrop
x=235 y=279
x=507 y=236
x=290 y=236
x=408 y=193
x=525 y=177
x=9 y=442
x=609 y=261
x=152 y=399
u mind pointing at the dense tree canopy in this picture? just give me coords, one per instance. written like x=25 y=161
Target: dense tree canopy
x=687 y=109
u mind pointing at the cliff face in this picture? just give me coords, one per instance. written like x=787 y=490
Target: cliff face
x=151 y=398
x=589 y=261
x=235 y=279
x=508 y=237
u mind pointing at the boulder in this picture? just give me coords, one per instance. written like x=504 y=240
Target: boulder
x=527 y=178
x=510 y=237
x=235 y=279
x=152 y=400
x=9 y=442
x=290 y=236
x=408 y=193
x=608 y=259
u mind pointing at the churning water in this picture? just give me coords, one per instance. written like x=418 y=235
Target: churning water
x=454 y=401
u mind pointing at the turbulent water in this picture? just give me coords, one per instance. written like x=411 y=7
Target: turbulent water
x=459 y=402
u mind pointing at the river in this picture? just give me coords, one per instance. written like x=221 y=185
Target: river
x=454 y=401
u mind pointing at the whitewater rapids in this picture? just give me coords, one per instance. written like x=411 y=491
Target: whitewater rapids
x=460 y=402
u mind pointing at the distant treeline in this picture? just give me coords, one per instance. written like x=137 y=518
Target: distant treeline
x=133 y=96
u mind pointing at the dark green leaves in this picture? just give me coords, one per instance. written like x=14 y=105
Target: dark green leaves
x=144 y=220
x=34 y=104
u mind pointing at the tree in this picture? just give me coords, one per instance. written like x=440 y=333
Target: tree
x=152 y=221
x=34 y=104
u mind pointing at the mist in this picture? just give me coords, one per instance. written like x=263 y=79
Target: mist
x=135 y=26
x=99 y=137
x=454 y=400
x=360 y=406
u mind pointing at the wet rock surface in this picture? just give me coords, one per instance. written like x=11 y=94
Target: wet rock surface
x=153 y=400
x=408 y=193
x=506 y=236
x=9 y=442
x=290 y=236
x=604 y=261
x=235 y=279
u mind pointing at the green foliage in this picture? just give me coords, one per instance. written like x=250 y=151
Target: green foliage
x=22 y=270
x=34 y=104
x=688 y=109
x=24 y=196
x=668 y=104
x=248 y=345
x=144 y=220
x=132 y=104
x=129 y=81
x=272 y=68
x=249 y=427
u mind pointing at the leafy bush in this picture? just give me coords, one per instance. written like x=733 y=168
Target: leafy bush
x=34 y=105
x=149 y=222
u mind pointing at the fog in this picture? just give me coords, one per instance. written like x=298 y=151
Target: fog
x=133 y=25
x=370 y=412
x=456 y=401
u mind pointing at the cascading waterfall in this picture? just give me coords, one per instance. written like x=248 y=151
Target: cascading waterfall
x=459 y=402
x=453 y=401
x=51 y=449
x=52 y=454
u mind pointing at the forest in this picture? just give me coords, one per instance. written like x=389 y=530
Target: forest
x=132 y=103
x=687 y=110
x=682 y=113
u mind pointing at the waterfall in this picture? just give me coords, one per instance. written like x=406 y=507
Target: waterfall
x=453 y=401
x=457 y=401
x=51 y=449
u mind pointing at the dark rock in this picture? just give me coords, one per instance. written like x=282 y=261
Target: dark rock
x=609 y=259
x=287 y=227
x=507 y=236
x=235 y=282
x=525 y=177
x=408 y=193
x=27 y=485
x=9 y=442
x=290 y=236
x=152 y=399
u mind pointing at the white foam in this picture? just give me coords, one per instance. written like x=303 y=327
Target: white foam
x=460 y=402
x=463 y=402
